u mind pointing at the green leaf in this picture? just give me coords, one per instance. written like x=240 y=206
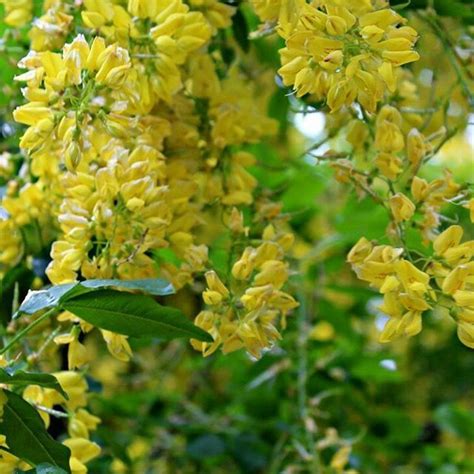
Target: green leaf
x=451 y=8
x=278 y=108
x=206 y=446
x=21 y=378
x=456 y=419
x=370 y=370
x=45 y=468
x=241 y=30
x=133 y=315
x=45 y=299
x=152 y=286
x=20 y=276
x=27 y=437
x=401 y=6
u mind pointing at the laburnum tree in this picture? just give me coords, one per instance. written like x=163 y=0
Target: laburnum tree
x=235 y=236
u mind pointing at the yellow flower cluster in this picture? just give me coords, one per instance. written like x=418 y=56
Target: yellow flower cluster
x=245 y=312
x=343 y=53
x=134 y=139
x=159 y=35
x=49 y=31
x=69 y=95
x=453 y=270
x=111 y=216
x=408 y=291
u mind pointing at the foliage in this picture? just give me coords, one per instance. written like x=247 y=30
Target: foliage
x=283 y=186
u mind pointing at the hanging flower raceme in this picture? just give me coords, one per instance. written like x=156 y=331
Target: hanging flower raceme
x=69 y=95
x=453 y=270
x=408 y=291
x=337 y=55
x=246 y=312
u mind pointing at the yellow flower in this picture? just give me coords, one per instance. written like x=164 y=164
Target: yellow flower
x=360 y=251
x=466 y=333
x=448 y=239
x=416 y=147
x=388 y=137
x=117 y=345
x=402 y=208
x=77 y=353
x=412 y=279
x=82 y=451
x=419 y=189
x=17 y=12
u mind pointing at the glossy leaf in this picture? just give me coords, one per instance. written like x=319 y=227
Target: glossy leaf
x=27 y=437
x=133 y=315
x=21 y=378
x=51 y=297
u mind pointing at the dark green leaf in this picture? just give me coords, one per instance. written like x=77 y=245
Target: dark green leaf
x=47 y=468
x=20 y=276
x=241 y=30
x=44 y=299
x=51 y=297
x=30 y=378
x=152 y=286
x=206 y=446
x=133 y=315
x=27 y=437
x=456 y=419
x=44 y=468
x=278 y=108
x=452 y=8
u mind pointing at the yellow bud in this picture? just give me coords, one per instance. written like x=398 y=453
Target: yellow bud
x=32 y=113
x=77 y=355
x=381 y=18
x=416 y=148
x=390 y=283
x=448 y=239
x=236 y=221
x=93 y=19
x=399 y=58
x=242 y=269
x=402 y=208
x=212 y=297
x=72 y=156
x=335 y=25
x=372 y=33
x=360 y=251
x=215 y=284
x=410 y=324
x=332 y=61
x=77 y=429
x=466 y=333
x=304 y=81
x=464 y=298
x=135 y=204
x=457 y=278
x=97 y=48
x=419 y=189
x=387 y=73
